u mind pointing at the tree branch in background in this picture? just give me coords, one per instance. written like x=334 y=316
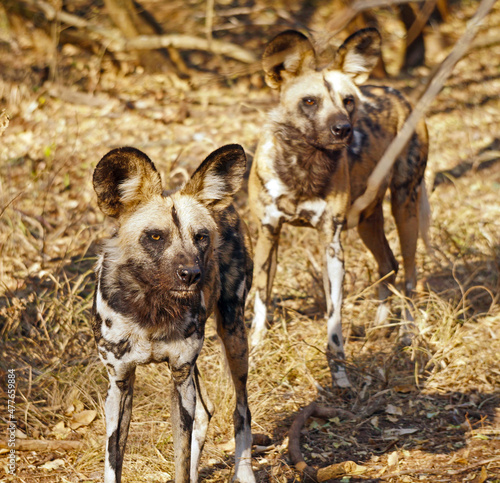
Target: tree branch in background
x=134 y=20
x=114 y=41
x=434 y=87
x=187 y=42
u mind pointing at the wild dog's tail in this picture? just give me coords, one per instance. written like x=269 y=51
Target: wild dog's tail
x=424 y=219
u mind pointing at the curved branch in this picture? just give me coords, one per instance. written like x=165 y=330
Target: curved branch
x=317 y=474
x=186 y=42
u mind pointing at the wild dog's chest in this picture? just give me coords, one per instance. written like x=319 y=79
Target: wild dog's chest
x=121 y=340
x=285 y=207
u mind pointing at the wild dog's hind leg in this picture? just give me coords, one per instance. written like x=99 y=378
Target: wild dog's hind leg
x=118 y=410
x=231 y=329
x=203 y=414
x=371 y=231
x=405 y=210
x=266 y=255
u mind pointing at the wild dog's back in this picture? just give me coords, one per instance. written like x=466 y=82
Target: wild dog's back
x=382 y=111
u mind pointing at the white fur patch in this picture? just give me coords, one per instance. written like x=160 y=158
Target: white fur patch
x=342 y=84
x=335 y=272
x=259 y=321
x=144 y=348
x=241 y=289
x=130 y=188
x=243 y=452
x=272 y=215
x=275 y=188
x=214 y=188
x=335 y=269
x=355 y=63
x=317 y=206
x=355 y=146
x=383 y=311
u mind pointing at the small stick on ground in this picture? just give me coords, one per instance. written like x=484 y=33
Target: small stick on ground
x=44 y=445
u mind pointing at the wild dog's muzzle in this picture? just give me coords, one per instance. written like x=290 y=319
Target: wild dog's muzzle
x=342 y=131
x=189 y=275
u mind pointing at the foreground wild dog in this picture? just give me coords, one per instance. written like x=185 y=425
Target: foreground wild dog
x=313 y=160
x=172 y=262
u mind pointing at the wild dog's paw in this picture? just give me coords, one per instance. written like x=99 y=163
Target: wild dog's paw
x=407 y=331
x=244 y=475
x=338 y=371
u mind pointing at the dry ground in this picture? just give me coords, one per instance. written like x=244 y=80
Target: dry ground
x=430 y=412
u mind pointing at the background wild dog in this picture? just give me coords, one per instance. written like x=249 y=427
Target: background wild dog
x=314 y=158
x=172 y=262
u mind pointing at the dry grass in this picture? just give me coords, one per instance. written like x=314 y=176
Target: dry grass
x=446 y=384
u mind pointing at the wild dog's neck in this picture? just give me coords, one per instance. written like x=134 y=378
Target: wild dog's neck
x=306 y=169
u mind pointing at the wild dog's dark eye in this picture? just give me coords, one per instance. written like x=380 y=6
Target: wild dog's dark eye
x=349 y=103
x=155 y=236
x=201 y=237
x=309 y=101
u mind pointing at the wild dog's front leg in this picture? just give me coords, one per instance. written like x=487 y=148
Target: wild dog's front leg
x=118 y=410
x=183 y=413
x=231 y=329
x=266 y=255
x=333 y=278
x=203 y=414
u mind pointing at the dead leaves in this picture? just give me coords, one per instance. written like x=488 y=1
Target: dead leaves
x=64 y=433
x=83 y=418
x=53 y=464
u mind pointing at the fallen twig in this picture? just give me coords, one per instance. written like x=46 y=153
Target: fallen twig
x=44 y=445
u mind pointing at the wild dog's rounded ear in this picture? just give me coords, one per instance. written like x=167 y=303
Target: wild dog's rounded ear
x=290 y=53
x=124 y=178
x=219 y=177
x=359 y=54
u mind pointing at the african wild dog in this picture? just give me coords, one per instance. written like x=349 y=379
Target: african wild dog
x=172 y=262
x=313 y=160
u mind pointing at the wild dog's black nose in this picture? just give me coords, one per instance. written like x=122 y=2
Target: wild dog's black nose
x=189 y=275
x=341 y=130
